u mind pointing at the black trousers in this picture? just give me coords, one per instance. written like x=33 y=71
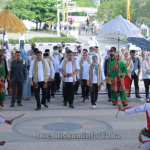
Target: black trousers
x=48 y=92
x=37 y=94
x=77 y=86
x=69 y=92
x=94 y=94
x=136 y=83
x=52 y=87
x=109 y=89
x=57 y=81
x=85 y=89
x=19 y=94
x=147 y=84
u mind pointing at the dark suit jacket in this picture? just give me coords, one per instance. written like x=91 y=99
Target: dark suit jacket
x=6 y=69
x=18 y=72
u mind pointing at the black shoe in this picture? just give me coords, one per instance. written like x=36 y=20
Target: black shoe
x=45 y=105
x=12 y=105
x=138 y=96
x=109 y=99
x=20 y=104
x=84 y=100
x=87 y=97
x=48 y=100
x=53 y=96
x=76 y=93
x=128 y=95
x=37 y=108
x=71 y=106
x=58 y=91
x=125 y=105
x=65 y=103
x=114 y=104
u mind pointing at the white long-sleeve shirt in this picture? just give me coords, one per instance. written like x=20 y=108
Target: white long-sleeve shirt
x=2 y=119
x=21 y=38
x=56 y=62
x=85 y=70
x=95 y=80
x=142 y=108
x=40 y=70
x=69 y=69
x=52 y=69
x=146 y=141
x=145 y=74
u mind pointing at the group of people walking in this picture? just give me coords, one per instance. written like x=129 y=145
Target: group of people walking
x=33 y=72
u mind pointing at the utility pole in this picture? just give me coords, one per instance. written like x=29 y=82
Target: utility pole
x=128 y=10
x=67 y=13
x=63 y=21
x=58 y=28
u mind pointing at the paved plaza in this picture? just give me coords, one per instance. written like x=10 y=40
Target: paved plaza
x=82 y=128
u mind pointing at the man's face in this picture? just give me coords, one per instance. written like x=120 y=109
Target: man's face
x=85 y=56
x=38 y=57
x=48 y=53
x=18 y=56
x=91 y=50
x=21 y=34
x=112 y=52
x=75 y=54
x=132 y=55
x=96 y=50
x=70 y=56
x=63 y=45
x=80 y=49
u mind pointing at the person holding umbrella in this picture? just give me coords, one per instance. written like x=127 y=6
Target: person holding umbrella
x=118 y=72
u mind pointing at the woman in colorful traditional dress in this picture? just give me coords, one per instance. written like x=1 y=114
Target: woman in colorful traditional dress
x=13 y=57
x=2 y=82
x=96 y=79
x=129 y=64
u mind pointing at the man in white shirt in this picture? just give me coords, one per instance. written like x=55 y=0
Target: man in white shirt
x=83 y=75
x=40 y=70
x=52 y=74
x=21 y=41
x=79 y=55
x=96 y=50
x=6 y=41
x=56 y=61
x=69 y=68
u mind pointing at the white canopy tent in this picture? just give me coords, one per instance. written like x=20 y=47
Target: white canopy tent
x=119 y=28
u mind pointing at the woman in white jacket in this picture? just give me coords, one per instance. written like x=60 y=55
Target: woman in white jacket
x=146 y=74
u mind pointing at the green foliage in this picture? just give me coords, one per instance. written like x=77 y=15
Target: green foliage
x=54 y=39
x=70 y=39
x=35 y=10
x=139 y=10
